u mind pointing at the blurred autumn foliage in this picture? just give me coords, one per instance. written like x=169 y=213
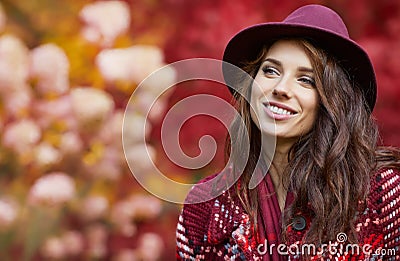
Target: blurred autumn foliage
x=67 y=71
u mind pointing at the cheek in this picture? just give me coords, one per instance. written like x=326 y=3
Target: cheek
x=312 y=112
x=253 y=110
x=310 y=100
x=253 y=103
x=310 y=106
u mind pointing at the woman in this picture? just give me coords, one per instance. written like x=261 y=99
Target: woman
x=329 y=192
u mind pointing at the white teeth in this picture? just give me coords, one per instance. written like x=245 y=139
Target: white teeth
x=280 y=111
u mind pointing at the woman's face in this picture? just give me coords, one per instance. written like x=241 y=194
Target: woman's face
x=285 y=102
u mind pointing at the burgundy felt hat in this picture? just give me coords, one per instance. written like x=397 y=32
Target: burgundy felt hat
x=318 y=23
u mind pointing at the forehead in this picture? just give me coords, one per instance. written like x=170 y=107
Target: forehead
x=289 y=51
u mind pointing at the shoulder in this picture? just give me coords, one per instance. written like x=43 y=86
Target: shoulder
x=202 y=191
x=192 y=227
x=208 y=217
x=384 y=197
x=205 y=205
x=385 y=187
x=218 y=187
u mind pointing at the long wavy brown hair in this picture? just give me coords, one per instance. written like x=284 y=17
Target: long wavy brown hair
x=329 y=168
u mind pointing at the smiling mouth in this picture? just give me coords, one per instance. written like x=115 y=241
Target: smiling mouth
x=278 y=110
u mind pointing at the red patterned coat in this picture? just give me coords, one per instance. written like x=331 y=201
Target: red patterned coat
x=219 y=229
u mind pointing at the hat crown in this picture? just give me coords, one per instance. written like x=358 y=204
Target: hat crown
x=318 y=16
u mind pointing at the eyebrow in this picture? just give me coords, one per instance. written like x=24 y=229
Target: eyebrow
x=278 y=63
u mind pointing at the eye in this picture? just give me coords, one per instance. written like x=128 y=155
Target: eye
x=269 y=70
x=307 y=80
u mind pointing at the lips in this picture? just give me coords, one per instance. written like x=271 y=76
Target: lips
x=279 y=111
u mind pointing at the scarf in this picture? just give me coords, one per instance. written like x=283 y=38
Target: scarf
x=269 y=220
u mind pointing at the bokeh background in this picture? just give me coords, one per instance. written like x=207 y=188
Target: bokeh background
x=67 y=70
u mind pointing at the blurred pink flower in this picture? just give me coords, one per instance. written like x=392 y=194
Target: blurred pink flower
x=141 y=157
x=110 y=135
x=70 y=143
x=17 y=103
x=50 y=67
x=54 y=188
x=122 y=217
x=164 y=81
x=97 y=235
x=8 y=213
x=14 y=60
x=108 y=165
x=151 y=246
x=21 y=135
x=105 y=21
x=46 y=155
x=136 y=128
x=122 y=212
x=47 y=112
x=154 y=107
x=136 y=207
x=94 y=207
x=111 y=132
x=126 y=255
x=143 y=102
x=73 y=242
x=147 y=104
x=2 y=18
x=127 y=229
x=131 y=64
x=53 y=248
x=91 y=107
x=144 y=206
x=157 y=110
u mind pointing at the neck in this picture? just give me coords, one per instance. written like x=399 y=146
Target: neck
x=280 y=155
x=277 y=167
x=279 y=163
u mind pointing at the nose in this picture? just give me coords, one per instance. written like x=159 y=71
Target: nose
x=282 y=89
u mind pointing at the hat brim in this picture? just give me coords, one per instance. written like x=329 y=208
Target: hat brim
x=246 y=45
